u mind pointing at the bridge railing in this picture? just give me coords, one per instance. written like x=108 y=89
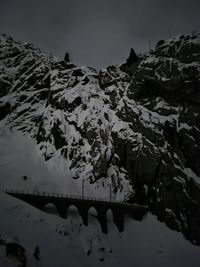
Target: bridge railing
x=58 y=195
x=67 y=196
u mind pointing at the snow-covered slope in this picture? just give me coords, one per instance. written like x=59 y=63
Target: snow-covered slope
x=60 y=106
x=69 y=243
x=135 y=126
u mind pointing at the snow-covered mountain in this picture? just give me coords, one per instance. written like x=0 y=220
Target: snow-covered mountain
x=135 y=126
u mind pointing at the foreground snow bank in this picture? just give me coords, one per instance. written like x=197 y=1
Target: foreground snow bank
x=69 y=243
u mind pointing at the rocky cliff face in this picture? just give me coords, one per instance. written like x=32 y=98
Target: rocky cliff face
x=134 y=124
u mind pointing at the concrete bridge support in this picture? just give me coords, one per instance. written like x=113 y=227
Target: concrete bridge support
x=83 y=211
x=62 y=209
x=118 y=217
x=101 y=214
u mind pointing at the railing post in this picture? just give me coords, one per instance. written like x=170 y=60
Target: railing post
x=83 y=188
x=110 y=192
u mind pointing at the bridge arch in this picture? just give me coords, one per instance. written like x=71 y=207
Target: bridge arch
x=92 y=215
x=50 y=208
x=92 y=212
x=109 y=214
x=72 y=210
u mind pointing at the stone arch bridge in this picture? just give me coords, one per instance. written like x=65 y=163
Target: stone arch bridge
x=83 y=204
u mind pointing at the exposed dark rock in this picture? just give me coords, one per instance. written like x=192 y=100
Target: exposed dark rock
x=4 y=110
x=159 y=43
x=17 y=251
x=37 y=253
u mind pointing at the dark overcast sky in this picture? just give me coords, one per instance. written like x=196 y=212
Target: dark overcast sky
x=97 y=32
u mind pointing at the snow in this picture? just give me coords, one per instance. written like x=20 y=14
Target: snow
x=162 y=104
x=71 y=244
x=20 y=157
x=184 y=126
x=190 y=173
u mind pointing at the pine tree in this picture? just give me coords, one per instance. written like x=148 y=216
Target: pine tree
x=67 y=58
x=132 y=57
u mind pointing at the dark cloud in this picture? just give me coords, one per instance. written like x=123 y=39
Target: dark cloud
x=97 y=33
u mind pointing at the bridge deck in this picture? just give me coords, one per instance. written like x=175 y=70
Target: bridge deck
x=71 y=198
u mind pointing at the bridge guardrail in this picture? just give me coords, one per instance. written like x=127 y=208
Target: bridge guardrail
x=67 y=196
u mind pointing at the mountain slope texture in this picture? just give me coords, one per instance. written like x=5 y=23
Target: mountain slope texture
x=135 y=126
